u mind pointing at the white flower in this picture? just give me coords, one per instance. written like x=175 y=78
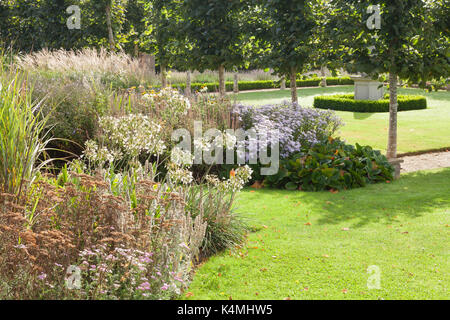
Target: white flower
x=134 y=134
x=236 y=182
x=181 y=157
x=229 y=141
x=179 y=175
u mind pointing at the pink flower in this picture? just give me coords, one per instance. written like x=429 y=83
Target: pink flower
x=145 y=286
x=165 y=287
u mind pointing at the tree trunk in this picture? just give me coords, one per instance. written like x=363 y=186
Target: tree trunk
x=163 y=76
x=283 y=83
x=188 y=90
x=112 y=45
x=324 y=78
x=236 y=83
x=294 y=85
x=152 y=64
x=222 y=88
x=393 y=106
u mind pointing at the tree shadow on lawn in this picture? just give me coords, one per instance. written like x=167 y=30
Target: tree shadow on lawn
x=413 y=195
x=362 y=115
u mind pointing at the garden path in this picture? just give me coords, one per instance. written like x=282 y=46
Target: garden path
x=426 y=161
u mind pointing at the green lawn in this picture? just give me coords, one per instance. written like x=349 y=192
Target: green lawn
x=417 y=130
x=319 y=245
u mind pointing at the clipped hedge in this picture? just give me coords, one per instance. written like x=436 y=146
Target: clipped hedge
x=264 y=84
x=313 y=82
x=336 y=81
x=347 y=102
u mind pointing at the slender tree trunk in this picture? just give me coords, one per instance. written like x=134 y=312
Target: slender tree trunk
x=152 y=64
x=294 y=85
x=112 y=45
x=222 y=88
x=236 y=83
x=393 y=106
x=283 y=83
x=324 y=78
x=188 y=90
x=163 y=76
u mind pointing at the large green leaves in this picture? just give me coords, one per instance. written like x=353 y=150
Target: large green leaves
x=332 y=165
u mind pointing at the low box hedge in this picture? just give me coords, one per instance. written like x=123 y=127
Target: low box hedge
x=347 y=102
x=264 y=84
x=336 y=81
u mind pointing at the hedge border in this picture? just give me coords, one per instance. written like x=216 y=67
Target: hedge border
x=346 y=102
x=265 y=84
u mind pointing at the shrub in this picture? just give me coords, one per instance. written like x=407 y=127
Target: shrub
x=438 y=84
x=339 y=81
x=331 y=164
x=225 y=229
x=77 y=219
x=298 y=127
x=346 y=102
x=313 y=82
x=73 y=107
x=264 y=84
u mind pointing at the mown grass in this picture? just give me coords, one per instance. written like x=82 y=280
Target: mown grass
x=417 y=130
x=319 y=245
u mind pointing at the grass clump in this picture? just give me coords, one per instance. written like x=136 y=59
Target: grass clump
x=22 y=132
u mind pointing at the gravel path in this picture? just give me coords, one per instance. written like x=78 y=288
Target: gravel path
x=426 y=161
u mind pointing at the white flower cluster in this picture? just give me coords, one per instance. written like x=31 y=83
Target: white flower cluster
x=178 y=104
x=229 y=140
x=179 y=175
x=222 y=139
x=238 y=179
x=181 y=157
x=97 y=154
x=135 y=134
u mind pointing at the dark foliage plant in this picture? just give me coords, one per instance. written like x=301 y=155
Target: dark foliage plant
x=331 y=164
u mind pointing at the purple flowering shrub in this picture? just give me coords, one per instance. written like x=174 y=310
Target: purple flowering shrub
x=298 y=127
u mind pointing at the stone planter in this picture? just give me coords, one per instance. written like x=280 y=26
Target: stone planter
x=368 y=89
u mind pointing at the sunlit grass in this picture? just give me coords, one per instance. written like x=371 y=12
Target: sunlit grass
x=319 y=245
